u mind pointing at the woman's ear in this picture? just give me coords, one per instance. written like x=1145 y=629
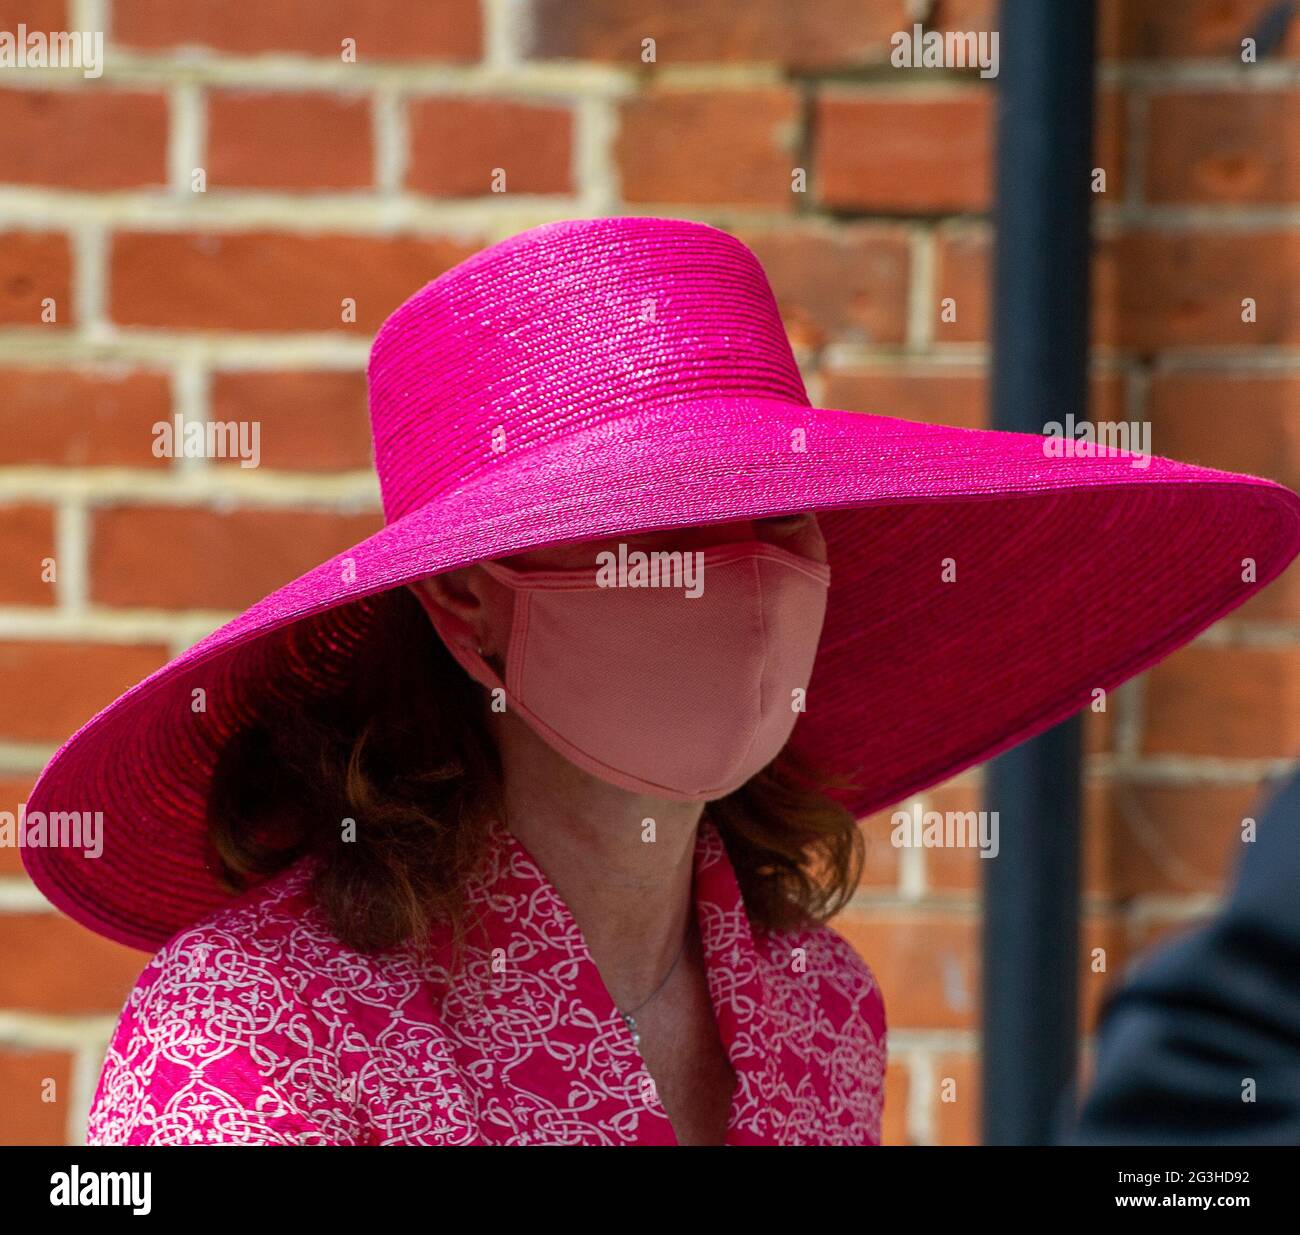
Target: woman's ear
x=453 y=605
x=467 y=605
x=452 y=590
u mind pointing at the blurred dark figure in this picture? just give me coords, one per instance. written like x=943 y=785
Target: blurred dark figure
x=1180 y=1042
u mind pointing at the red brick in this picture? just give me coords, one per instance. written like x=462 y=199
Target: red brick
x=833 y=33
x=954 y=870
x=267 y=280
x=943 y=394
x=83 y=139
x=37 y=1085
x=957 y=1099
x=927 y=964
x=1233 y=702
x=1155 y=289
x=945 y=870
x=894 y=1125
x=1107 y=398
x=1099 y=729
x=313 y=421
x=1166 y=839
x=963 y=268
x=1110 y=141
x=213 y=560
x=1223 y=146
x=81 y=417
x=26 y=541
x=14 y=791
x=936 y=396
x=846 y=284
x=44 y=15
x=1187 y=28
x=1108 y=934
x=382 y=29
x=35 y=266
x=881 y=869
x=52 y=688
x=1240 y=422
x=278 y=140
x=737 y=147
x=458 y=143
x=964 y=15
x=931 y=155
x=54 y=965
x=898 y=152
x=1150 y=289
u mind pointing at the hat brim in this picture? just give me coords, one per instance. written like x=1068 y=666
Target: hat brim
x=980 y=592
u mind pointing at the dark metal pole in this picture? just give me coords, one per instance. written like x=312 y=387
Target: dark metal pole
x=1040 y=355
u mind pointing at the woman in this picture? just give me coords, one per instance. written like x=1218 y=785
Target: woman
x=520 y=821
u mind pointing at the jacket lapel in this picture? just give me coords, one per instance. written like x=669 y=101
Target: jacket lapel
x=540 y=1034
x=545 y=1043
x=740 y=992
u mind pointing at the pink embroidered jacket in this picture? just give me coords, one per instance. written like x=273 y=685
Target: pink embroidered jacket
x=256 y=1026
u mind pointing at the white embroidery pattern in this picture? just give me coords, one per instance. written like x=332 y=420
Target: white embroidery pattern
x=256 y=1026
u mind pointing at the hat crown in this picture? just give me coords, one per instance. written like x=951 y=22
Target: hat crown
x=564 y=328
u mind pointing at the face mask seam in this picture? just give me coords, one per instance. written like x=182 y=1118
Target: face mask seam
x=554 y=578
x=758 y=723
x=520 y=622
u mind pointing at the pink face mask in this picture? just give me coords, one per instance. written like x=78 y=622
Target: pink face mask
x=656 y=691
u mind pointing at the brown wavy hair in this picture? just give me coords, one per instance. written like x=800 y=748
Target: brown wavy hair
x=403 y=753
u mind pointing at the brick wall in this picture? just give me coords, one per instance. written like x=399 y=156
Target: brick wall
x=329 y=180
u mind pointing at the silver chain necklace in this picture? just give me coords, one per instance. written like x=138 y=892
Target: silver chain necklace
x=629 y=1018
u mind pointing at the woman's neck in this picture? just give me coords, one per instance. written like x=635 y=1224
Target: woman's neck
x=622 y=862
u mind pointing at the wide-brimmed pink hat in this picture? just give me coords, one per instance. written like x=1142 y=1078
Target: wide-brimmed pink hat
x=597 y=377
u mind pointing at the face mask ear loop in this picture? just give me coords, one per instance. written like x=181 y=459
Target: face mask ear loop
x=513 y=579
x=459 y=638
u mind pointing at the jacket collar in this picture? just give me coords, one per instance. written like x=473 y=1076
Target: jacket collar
x=544 y=1018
